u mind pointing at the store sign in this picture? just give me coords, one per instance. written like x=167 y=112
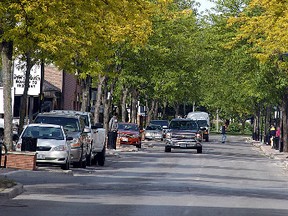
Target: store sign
x=19 y=71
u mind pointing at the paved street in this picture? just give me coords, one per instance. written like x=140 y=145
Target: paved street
x=227 y=179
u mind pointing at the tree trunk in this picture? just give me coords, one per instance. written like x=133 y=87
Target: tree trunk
x=134 y=106
x=6 y=55
x=284 y=120
x=243 y=124
x=164 y=110
x=150 y=111
x=24 y=99
x=123 y=104
x=176 y=107
x=86 y=84
x=99 y=98
x=107 y=101
x=155 y=113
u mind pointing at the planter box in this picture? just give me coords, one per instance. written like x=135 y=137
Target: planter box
x=20 y=160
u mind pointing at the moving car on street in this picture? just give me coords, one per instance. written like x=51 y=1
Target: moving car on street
x=183 y=134
x=50 y=143
x=129 y=134
x=153 y=132
x=163 y=123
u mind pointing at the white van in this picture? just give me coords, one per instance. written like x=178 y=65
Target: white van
x=203 y=121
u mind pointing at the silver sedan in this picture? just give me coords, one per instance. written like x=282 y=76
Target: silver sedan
x=153 y=132
x=49 y=141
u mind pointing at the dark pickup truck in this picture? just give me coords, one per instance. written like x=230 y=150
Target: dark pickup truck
x=183 y=134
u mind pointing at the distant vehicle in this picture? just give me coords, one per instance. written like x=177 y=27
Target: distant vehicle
x=183 y=134
x=153 y=132
x=203 y=121
x=50 y=143
x=129 y=134
x=74 y=126
x=96 y=137
x=163 y=123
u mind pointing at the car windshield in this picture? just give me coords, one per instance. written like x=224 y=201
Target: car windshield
x=153 y=127
x=160 y=122
x=130 y=127
x=202 y=123
x=43 y=132
x=69 y=124
x=183 y=125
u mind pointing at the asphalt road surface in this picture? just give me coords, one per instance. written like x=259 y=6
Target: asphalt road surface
x=228 y=179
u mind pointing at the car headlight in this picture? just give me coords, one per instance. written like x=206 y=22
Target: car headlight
x=60 y=148
x=75 y=143
x=168 y=135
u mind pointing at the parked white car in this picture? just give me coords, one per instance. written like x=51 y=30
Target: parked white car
x=49 y=141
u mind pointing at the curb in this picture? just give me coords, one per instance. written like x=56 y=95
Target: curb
x=12 y=192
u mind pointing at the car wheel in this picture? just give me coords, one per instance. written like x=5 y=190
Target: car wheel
x=167 y=149
x=80 y=162
x=83 y=164
x=199 y=150
x=101 y=157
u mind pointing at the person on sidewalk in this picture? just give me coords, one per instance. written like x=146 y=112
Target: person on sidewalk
x=223 y=132
x=277 y=138
x=112 y=132
x=272 y=133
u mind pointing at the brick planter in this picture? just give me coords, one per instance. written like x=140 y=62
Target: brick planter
x=20 y=160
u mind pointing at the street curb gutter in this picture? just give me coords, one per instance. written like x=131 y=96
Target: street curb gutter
x=12 y=192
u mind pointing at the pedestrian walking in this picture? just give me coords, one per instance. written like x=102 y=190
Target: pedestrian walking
x=112 y=132
x=223 y=132
x=272 y=133
x=277 y=138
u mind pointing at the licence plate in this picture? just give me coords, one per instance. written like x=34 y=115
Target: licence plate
x=40 y=156
x=183 y=145
x=125 y=139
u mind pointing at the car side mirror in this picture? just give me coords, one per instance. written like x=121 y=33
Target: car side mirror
x=87 y=130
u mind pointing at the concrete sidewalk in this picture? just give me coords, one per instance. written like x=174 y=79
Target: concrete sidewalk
x=271 y=153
